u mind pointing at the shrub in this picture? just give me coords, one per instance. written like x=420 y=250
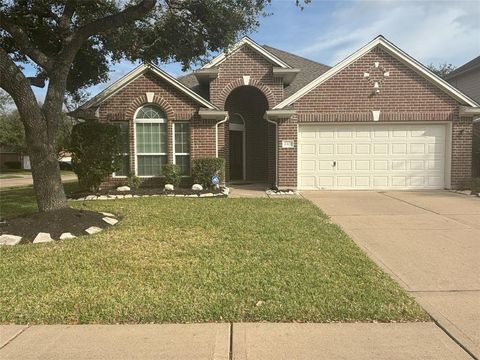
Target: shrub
x=96 y=152
x=204 y=168
x=12 y=165
x=133 y=181
x=172 y=174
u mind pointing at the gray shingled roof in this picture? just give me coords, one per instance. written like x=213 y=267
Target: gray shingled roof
x=464 y=68
x=309 y=70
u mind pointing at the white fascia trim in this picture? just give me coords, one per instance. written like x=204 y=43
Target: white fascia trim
x=135 y=73
x=469 y=111
x=212 y=114
x=246 y=41
x=393 y=50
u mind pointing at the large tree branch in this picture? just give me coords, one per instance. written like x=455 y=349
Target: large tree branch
x=64 y=22
x=24 y=44
x=129 y=14
x=17 y=85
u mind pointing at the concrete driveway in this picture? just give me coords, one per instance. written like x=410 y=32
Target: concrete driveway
x=428 y=241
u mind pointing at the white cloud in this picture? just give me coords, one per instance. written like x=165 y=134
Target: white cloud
x=438 y=31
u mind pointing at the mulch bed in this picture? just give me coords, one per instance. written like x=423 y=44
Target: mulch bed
x=54 y=222
x=143 y=191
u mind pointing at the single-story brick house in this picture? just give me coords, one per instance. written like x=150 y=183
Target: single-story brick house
x=377 y=120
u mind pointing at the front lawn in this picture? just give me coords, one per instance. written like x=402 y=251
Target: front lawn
x=196 y=260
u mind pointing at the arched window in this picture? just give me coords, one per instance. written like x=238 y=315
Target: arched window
x=150 y=140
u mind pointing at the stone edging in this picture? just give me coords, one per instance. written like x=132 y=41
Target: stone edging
x=224 y=193
x=7 y=239
x=281 y=192
x=466 y=192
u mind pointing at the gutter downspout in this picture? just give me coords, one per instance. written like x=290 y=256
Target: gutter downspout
x=216 y=133
x=276 y=148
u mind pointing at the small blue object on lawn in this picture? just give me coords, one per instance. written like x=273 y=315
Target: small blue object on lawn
x=215 y=180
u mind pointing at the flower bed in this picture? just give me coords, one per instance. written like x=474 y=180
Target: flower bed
x=110 y=194
x=54 y=225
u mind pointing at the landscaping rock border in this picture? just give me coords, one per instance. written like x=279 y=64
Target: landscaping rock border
x=43 y=237
x=281 y=192
x=225 y=192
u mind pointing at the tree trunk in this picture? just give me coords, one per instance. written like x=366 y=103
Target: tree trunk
x=47 y=181
x=40 y=127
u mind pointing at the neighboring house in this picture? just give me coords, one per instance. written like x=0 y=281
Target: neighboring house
x=9 y=157
x=377 y=120
x=467 y=78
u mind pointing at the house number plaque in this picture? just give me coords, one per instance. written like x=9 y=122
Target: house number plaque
x=288 y=144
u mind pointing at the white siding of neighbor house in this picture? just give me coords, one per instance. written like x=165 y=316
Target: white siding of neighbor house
x=468 y=83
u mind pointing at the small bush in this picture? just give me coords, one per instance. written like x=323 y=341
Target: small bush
x=96 y=152
x=133 y=181
x=12 y=165
x=204 y=168
x=172 y=174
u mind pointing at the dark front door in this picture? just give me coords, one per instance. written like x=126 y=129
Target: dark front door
x=236 y=155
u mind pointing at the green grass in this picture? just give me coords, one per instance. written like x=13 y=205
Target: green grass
x=197 y=260
x=21 y=200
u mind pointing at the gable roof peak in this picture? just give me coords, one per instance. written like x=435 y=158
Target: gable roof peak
x=394 y=51
x=245 y=40
x=133 y=75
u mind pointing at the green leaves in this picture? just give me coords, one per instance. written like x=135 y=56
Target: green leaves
x=96 y=152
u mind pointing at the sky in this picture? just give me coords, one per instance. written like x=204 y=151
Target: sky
x=328 y=31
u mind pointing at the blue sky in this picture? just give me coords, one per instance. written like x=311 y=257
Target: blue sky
x=328 y=31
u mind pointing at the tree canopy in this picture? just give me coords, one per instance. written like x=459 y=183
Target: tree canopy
x=185 y=31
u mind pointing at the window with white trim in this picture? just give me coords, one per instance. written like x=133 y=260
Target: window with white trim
x=150 y=141
x=181 y=146
x=125 y=139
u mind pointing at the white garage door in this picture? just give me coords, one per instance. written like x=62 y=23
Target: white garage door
x=371 y=156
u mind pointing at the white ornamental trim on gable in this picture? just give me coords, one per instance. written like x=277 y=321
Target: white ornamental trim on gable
x=392 y=50
x=136 y=73
x=246 y=41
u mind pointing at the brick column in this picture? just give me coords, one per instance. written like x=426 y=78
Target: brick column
x=287 y=158
x=461 y=150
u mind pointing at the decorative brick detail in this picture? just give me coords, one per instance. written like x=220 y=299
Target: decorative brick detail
x=246 y=62
x=142 y=100
x=404 y=91
x=254 y=83
x=368 y=117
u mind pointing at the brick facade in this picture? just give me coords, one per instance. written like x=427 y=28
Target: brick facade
x=245 y=84
x=404 y=96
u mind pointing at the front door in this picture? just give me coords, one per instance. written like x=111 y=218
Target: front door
x=236 y=155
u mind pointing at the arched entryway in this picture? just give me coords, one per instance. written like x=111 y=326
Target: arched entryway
x=248 y=136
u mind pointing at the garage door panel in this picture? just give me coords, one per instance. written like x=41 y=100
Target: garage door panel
x=307 y=149
x=307 y=165
x=380 y=149
x=325 y=149
x=398 y=156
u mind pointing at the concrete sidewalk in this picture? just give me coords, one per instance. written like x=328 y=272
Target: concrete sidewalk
x=27 y=180
x=244 y=341
x=429 y=241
